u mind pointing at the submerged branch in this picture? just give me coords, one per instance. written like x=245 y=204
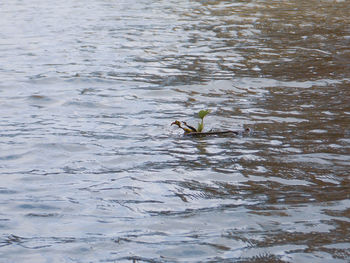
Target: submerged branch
x=246 y=131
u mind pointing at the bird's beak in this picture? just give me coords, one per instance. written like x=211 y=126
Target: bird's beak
x=173 y=123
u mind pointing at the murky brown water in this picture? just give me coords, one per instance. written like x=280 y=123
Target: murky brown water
x=92 y=171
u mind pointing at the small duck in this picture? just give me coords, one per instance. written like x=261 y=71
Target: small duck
x=186 y=130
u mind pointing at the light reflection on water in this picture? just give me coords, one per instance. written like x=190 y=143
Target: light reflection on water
x=92 y=170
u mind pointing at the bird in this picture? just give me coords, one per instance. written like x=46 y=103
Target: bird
x=186 y=130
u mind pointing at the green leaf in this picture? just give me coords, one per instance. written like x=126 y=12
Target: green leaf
x=203 y=113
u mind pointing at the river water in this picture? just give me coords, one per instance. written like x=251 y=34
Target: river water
x=92 y=171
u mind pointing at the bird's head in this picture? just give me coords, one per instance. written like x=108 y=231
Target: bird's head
x=176 y=123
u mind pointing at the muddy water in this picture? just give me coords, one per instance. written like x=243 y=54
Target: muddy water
x=92 y=171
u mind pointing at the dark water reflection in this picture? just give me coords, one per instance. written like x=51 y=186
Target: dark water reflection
x=92 y=171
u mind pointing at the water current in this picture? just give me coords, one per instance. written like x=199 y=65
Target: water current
x=92 y=171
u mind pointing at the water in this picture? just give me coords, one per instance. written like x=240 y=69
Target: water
x=92 y=171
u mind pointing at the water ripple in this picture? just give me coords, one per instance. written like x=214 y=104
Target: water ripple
x=92 y=170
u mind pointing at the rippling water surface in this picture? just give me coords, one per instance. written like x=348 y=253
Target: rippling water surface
x=92 y=171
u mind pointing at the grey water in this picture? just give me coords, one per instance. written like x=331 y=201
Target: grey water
x=92 y=171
